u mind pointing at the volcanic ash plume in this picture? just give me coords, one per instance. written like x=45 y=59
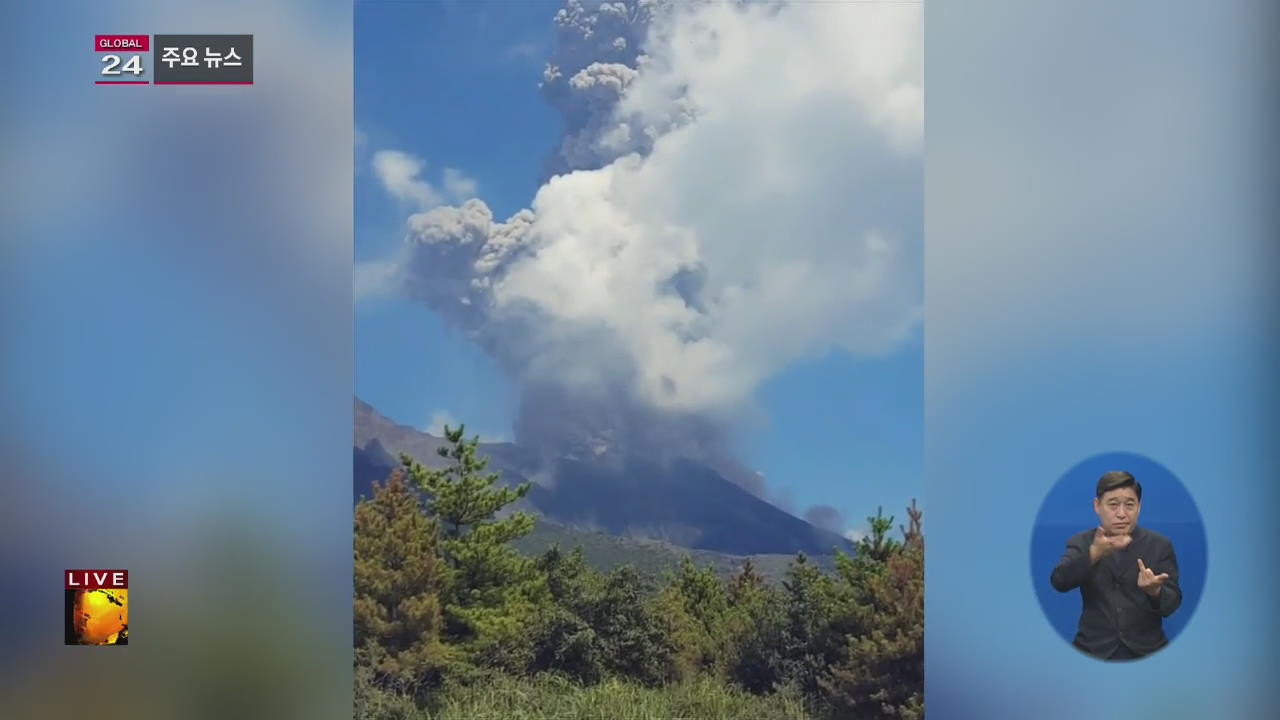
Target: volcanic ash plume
x=737 y=187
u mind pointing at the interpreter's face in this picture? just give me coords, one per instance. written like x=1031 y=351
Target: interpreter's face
x=1118 y=510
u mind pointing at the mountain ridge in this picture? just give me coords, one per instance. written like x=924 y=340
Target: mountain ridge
x=681 y=502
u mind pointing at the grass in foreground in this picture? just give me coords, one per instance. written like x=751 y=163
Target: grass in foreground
x=550 y=698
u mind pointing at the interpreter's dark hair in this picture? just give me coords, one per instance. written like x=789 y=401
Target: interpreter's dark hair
x=1118 y=479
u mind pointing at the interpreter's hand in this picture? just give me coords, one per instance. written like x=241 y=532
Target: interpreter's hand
x=1148 y=581
x=1104 y=544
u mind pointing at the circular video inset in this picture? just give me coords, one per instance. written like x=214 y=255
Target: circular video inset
x=1118 y=557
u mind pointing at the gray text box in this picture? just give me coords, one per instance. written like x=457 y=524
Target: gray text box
x=202 y=58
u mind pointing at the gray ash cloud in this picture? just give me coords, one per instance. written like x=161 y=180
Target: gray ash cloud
x=709 y=214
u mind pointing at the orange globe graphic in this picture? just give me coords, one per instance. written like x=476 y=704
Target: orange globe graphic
x=101 y=617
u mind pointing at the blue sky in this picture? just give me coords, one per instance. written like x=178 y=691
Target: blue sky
x=458 y=87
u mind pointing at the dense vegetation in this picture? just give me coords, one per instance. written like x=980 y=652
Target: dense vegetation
x=452 y=621
x=603 y=551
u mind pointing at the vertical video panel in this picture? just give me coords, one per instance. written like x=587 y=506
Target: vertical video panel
x=1100 y=374
x=638 y=322
x=175 y=339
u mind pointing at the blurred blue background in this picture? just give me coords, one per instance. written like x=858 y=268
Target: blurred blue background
x=1100 y=261
x=175 y=327
x=1167 y=508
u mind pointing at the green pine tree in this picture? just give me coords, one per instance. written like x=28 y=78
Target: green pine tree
x=810 y=639
x=745 y=582
x=495 y=592
x=633 y=640
x=696 y=601
x=565 y=642
x=602 y=624
x=878 y=545
x=757 y=630
x=881 y=671
x=399 y=578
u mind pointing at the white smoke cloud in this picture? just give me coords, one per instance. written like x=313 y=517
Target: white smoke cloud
x=441 y=419
x=400 y=174
x=458 y=186
x=740 y=187
x=792 y=198
x=855 y=534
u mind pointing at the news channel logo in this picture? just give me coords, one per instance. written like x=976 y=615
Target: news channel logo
x=174 y=59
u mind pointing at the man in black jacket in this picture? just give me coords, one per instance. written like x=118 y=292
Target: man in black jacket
x=1127 y=575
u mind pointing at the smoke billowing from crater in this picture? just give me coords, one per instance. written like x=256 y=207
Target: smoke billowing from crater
x=736 y=187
